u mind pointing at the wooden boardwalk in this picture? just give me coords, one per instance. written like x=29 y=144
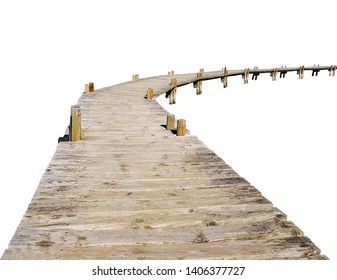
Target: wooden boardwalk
x=130 y=189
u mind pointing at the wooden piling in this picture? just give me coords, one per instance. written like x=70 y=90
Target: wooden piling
x=300 y=72
x=173 y=93
x=255 y=74
x=245 y=76
x=86 y=89
x=149 y=94
x=181 y=127
x=170 y=120
x=283 y=72
x=198 y=84
x=75 y=123
x=224 y=80
x=273 y=74
x=91 y=87
x=135 y=77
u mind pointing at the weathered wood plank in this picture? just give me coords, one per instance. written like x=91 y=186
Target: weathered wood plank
x=130 y=189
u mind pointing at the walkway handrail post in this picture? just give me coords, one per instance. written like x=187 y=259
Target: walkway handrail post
x=75 y=123
x=181 y=127
x=170 y=121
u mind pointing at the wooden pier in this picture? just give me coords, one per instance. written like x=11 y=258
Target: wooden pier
x=126 y=187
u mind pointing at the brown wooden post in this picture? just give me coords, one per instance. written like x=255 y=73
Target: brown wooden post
x=170 y=120
x=224 y=80
x=86 y=89
x=91 y=87
x=198 y=84
x=75 y=123
x=181 y=127
x=149 y=94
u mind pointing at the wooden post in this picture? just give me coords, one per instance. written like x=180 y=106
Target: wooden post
x=86 y=89
x=149 y=94
x=75 y=123
x=255 y=74
x=273 y=74
x=315 y=71
x=283 y=72
x=173 y=93
x=91 y=87
x=181 y=127
x=198 y=84
x=170 y=122
x=300 y=72
x=135 y=77
x=245 y=76
x=224 y=80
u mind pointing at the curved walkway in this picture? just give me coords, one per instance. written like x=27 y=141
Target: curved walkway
x=130 y=189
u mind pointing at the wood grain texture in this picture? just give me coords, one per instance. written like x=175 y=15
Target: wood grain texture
x=130 y=189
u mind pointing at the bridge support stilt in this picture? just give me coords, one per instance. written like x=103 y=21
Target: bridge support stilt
x=224 y=80
x=300 y=72
x=255 y=74
x=332 y=70
x=198 y=84
x=245 y=76
x=173 y=92
x=283 y=72
x=273 y=74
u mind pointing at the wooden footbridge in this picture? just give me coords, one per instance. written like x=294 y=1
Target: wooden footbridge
x=132 y=185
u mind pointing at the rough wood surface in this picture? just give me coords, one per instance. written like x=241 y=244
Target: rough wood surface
x=130 y=189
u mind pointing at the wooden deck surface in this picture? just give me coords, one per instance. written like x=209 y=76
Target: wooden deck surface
x=133 y=190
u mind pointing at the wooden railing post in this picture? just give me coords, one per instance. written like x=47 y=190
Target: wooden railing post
x=181 y=127
x=173 y=93
x=255 y=74
x=75 y=123
x=273 y=74
x=224 y=80
x=300 y=72
x=135 y=77
x=149 y=94
x=91 y=87
x=245 y=76
x=283 y=72
x=86 y=89
x=170 y=120
x=198 y=83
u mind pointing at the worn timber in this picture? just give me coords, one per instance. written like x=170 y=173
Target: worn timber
x=131 y=189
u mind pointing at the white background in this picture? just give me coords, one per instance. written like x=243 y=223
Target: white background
x=281 y=136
